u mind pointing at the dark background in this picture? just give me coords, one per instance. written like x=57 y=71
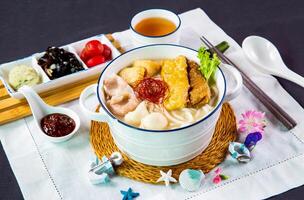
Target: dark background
x=30 y=26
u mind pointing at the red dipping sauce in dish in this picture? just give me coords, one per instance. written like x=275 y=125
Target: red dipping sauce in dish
x=57 y=125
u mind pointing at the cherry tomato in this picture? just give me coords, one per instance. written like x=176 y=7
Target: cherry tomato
x=84 y=55
x=94 y=48
x=96 y=60
x=107 y=53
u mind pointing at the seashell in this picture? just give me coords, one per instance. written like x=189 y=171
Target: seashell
x=101 y=169
x=252 y=139
x=191 y=179
x=240 y=152
x=95 y=178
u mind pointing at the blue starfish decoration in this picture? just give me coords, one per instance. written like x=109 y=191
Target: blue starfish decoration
x=129 y=195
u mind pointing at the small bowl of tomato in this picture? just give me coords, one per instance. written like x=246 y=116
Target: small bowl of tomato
x=95 y=51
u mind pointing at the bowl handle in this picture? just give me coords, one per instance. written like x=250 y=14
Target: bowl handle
x=231 y=74
x=100 y=116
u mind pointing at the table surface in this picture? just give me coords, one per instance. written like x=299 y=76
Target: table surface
x=31 y=26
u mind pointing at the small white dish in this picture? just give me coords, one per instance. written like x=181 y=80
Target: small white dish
x=267 y=59
x=40 y=109
x=48 y=84
x=171 y=38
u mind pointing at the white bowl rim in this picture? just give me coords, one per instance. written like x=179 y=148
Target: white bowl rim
x=160 y=36
x=150 y=130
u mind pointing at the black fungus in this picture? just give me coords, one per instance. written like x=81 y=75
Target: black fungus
x=57 y=62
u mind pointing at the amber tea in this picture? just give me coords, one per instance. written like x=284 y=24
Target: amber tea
x=155 y=26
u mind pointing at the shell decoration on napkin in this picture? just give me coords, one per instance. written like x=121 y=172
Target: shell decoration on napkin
x=166 y=177
x=100 y=171
x=191 y=180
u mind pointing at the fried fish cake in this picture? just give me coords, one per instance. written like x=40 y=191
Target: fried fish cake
x=152 y=67
x=132 y=74
x=174 y=73
x=199 y=92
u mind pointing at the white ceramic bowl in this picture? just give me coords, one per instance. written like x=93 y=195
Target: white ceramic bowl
x=160 y=147
x=171 y=38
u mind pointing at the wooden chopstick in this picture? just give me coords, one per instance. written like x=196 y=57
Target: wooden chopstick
x=272 y=106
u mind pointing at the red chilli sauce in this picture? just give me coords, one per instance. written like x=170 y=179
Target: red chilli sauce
x=57 y=125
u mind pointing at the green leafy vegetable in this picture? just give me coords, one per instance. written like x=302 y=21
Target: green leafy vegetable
x=208 y=63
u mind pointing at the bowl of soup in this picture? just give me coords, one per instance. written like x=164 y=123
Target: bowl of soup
x=155 y=26
x=160 y=109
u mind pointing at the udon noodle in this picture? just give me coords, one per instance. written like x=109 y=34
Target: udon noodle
x=185 y=116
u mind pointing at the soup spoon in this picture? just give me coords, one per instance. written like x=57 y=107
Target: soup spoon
x=40 y=109
x=267 y=59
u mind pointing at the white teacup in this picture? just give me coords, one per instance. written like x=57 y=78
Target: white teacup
x=170 y=38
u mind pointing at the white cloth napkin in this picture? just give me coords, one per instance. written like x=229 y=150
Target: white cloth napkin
x=59 y=171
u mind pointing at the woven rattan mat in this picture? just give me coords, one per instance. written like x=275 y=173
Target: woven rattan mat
x=213 y=155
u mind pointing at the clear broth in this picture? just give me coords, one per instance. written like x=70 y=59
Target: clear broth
x=155 y=26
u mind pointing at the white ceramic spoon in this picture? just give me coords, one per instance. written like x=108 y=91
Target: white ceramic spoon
x=267 y=59
x=40 y=109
